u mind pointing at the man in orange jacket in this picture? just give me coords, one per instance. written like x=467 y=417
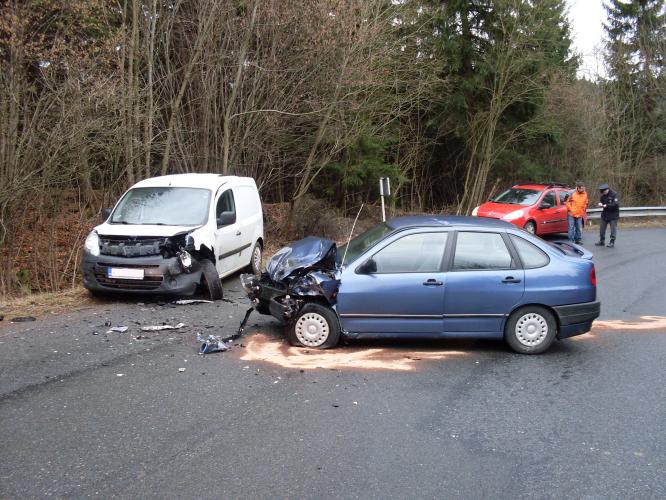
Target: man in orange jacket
x=576 y=208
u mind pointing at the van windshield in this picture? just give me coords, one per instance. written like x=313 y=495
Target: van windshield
x=165 y=206
x=516 y=196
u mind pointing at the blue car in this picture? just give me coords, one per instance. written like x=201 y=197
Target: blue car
x=430 y=277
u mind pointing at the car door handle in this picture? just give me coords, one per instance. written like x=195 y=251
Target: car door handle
x=433 y=282
x=238 y=233
x=510 y=279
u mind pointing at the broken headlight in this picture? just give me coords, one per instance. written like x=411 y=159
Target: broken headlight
x=185 y=260
x=92 y=244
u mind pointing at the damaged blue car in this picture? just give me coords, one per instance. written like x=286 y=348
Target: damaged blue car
x=430 y=277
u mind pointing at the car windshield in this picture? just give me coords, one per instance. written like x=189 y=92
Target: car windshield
x=362 y=242
x=517 y=196
x=167 y=206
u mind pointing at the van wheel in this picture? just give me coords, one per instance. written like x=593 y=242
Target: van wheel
x=530 y=227
x=530 y=330
x=315 y=325
x=254 y=266
x=211 y=283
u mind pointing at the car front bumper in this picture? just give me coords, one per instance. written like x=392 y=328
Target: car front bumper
x=576 y=319
x=161 y=276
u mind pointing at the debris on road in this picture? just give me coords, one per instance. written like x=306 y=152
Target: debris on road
x=162 y=327
x=95 y=333
x=23 y=319
x=2 y=316
x=118 y=329
x=187 y=302
x=212 y=344
x=181 y=370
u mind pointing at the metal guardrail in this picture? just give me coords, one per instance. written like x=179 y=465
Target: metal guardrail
x=595 y=213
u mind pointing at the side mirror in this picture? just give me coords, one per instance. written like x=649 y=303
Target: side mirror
x=545 y=204
x=106 y=212
x=368 y=267
x=226 y=218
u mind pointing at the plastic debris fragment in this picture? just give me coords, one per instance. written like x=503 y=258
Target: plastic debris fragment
x=212 y=344
x=181 y=370
x=187 y=302
x=156 y=328
x=118 y=329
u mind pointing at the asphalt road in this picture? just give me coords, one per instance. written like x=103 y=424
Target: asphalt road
x=111 y=415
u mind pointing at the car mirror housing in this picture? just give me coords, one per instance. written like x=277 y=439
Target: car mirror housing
x=545 y=204
x=226 y=218
x=106 y=212
x=368 y=267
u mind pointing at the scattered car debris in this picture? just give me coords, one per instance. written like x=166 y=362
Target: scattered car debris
x=212 y=344
x=95 y=333
x=181 y=370
x=23 y=319
x=156 y=328
x=187 y=302
x=107 y=323
x=118 y=329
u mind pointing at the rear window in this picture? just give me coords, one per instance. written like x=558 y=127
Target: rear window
x=530 y=255
x=518 y=196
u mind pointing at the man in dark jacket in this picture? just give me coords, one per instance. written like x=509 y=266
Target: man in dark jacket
x=610 y=202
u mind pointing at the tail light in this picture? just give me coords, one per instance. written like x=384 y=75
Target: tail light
x=593 y=276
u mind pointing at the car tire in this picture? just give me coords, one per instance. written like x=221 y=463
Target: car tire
x=314 y=326
x=211 y=283
x=530 y=330
x=530 y=227
x=254 y=266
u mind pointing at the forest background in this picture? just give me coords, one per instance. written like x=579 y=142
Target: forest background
x=452 y=99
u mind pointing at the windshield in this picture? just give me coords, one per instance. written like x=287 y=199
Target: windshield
x=515 y=196
x=362 y=242
x=167 y=206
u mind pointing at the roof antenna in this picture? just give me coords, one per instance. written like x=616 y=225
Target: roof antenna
x=350 y=234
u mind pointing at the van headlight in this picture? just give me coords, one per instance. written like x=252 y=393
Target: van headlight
x=185 y=260
x=513 y=215
x=92 y=244
x=475 y=212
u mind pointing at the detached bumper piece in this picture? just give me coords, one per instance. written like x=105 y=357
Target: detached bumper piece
x=576 y=319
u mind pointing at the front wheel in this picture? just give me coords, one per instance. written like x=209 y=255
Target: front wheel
x=530 y=227
x=530 y=330
x=212 y=285
x=315 y=325
x=254 y=266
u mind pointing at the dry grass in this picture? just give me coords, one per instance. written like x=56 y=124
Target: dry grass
x=43 y=304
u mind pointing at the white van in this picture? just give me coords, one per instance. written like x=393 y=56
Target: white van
x=174 y=233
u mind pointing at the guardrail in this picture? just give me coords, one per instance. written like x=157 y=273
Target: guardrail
x=595 y=213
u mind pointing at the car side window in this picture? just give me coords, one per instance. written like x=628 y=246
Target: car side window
x=550 y=198
x=477 y=251
x=531 y=255
x=225 y=203
x=564 y=196
x=414 y=253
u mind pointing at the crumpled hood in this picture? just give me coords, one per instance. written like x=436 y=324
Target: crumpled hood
x=308 y=252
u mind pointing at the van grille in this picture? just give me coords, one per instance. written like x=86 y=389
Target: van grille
x=152 y=277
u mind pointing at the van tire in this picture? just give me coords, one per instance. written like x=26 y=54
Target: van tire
x=254 y=266
x=211 y=283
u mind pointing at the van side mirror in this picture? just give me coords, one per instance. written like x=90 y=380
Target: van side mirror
x=368 y=267
x=106 y=212
x=226 y=218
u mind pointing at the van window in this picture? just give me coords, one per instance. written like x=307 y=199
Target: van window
x=225 y=203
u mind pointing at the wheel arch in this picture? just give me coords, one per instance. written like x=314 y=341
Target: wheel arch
x=550 y=309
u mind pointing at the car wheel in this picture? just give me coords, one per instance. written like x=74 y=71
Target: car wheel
x=530 y=330
x=530 y=227
x=315 y=325
x=212 y=285
x=254 y=266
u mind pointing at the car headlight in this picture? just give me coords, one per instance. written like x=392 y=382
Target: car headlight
x=92 y=244
x=513 y=215
x=475 y=212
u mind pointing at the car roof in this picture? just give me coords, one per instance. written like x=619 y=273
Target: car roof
x=541 y=187
x=207 y=181
x=447 y=221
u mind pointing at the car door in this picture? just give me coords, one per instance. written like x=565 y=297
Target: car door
x=552 y=216
x=483 y=285
x=228 y=233
x=398 y=289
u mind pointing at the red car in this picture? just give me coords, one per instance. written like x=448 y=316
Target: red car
x=537 y=208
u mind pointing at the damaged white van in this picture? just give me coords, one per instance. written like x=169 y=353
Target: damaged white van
x=173 y=234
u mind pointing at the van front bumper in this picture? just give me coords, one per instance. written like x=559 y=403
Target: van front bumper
x=160 y=275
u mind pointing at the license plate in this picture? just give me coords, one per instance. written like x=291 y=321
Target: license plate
x=124 y=273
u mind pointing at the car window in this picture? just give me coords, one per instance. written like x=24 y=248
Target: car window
x=481 y=251
x=414 y=253
x=564 y=196
x=225 y=203
x=531 y=255
x=550 y=198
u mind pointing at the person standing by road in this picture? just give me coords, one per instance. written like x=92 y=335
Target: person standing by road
x=610 y=202
x=576 y=207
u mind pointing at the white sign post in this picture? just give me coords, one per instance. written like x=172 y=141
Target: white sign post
x=384 y=190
